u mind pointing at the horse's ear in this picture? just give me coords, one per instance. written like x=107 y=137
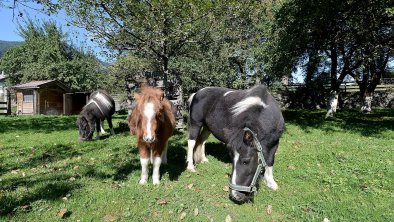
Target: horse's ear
x=248 y=137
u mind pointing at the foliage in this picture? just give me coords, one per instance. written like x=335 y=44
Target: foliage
x=347 y=34
x=339 y=169
x=45 y=55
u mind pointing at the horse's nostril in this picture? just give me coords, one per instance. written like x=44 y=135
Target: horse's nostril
x=148 y=139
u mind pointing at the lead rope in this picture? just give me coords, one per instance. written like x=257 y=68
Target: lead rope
x=262 y=163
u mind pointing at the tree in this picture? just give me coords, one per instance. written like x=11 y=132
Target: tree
x=45 y=55
x=156 y=30
x=331 y=29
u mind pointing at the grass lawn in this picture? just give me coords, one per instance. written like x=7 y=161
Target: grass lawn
x=339 y=169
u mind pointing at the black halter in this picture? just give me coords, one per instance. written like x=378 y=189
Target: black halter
x=262 y=164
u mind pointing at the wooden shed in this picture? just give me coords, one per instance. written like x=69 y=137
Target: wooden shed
x=41 y=97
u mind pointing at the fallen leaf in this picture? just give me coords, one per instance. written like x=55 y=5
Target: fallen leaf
x=291 y=167
x=76 y=168
x=225 y=189
x=63 y=213
x=269 y=209
x=156 y=214
x=110 y=218
x=162 y=202
x=228 y=218
x=183 y=215
x=195 y=211
x=326 y=219
x=190 y=186
x=26 y=207
x=72 y=178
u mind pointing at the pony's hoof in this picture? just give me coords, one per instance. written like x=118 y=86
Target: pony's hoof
x=97 y=138
x=156 y=182
x=191 y=169
x=272 y=185
x=204 y=160
x=142 y=181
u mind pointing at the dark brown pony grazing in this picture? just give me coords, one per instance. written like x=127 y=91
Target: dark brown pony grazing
x=153 y=121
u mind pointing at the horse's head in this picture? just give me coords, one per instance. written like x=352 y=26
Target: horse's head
x=246 y=169
x=84 y=128
x=150 y=108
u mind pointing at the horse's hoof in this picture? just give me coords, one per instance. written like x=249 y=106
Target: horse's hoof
x=142 y=182
x=156 y=182
x=191 y=169
x=272 y=185
x=204 y=160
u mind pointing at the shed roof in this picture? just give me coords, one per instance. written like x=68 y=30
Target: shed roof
x=36 y=84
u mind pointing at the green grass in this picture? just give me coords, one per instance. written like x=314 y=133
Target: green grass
x=340 y=169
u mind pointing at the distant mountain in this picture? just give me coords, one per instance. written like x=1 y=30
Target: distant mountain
x=5 y=45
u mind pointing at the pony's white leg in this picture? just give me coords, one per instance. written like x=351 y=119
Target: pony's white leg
x=164 y=154
x=269 y=178
x=144 y=170
x=156 y=170
x=190 y=147
x=204 y=136
x=101 y=127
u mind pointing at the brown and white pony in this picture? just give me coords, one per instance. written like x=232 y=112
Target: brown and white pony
x=153 y=121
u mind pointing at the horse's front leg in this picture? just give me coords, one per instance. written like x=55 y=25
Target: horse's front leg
x=144 y=160
x=269 y=169
x=269 y=178
x=158 y=152
x=91 y=129
x=98 y=127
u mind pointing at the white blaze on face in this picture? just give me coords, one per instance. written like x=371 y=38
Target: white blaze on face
x=234 y=176
x=149 y=111
x=247 y=103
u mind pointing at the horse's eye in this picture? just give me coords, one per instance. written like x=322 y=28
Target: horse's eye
x=245 y=161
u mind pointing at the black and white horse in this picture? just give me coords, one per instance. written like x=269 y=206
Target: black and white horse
x=249 y=122
x=99 y=107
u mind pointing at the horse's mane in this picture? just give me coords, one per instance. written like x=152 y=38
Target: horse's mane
x=146 y=94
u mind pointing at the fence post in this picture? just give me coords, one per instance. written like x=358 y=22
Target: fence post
x=8 y=102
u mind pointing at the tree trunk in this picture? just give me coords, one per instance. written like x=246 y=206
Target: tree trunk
x=332 y=103
x=367 y=100
x=166 y=72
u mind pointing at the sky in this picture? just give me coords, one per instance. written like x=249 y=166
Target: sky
x=9 y=25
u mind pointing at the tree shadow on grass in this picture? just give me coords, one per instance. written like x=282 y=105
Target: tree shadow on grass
x=176 y=157
x=350 y=120
x=49 y=189
x=218 y=150
x=40 y=156
x=45 y=124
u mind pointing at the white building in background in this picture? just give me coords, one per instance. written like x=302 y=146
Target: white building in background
x=3 y=89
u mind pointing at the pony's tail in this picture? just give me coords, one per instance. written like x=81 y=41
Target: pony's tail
x=191 y=99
